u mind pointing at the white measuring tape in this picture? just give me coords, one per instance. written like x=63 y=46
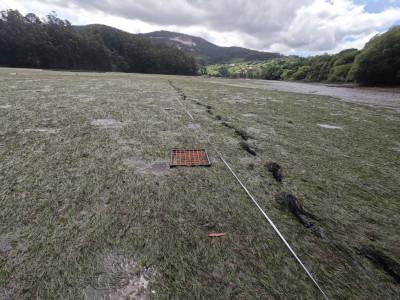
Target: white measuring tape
x=258 y=205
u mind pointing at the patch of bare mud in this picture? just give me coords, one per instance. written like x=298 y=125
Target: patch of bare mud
x=119 y=278
x=158 y=168
x=11 y=241
x=167 y=135
x=396 y=147
x=41 y=130
x=272 y=132
x=128 y=142
x=282 y=150
x=193 y=126
x=6 y=243
x=122 y=150
x=107 y=123
x=327 y=126
x=238 y=99
x=7 y=106
x=249 y=160
x=253 y=130
x=230 y=140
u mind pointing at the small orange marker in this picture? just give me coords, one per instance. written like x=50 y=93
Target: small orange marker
x=216 y=234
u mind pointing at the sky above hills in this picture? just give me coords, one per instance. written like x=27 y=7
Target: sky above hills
x=291 y=27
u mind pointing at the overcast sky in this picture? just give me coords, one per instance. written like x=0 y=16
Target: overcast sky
x=290 y=26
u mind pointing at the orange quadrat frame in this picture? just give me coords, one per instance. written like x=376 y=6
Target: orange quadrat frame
x=189 y=158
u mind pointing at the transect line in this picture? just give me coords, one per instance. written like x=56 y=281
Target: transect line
x=257 y=204
x=274 y=227
x=184 y=108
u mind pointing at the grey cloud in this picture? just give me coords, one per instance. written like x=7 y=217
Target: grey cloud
x=238 y=15
x=310 y=25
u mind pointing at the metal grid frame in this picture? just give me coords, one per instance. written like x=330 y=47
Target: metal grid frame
x=189 y=158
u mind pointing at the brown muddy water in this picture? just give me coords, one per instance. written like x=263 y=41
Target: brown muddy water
x=377 y=96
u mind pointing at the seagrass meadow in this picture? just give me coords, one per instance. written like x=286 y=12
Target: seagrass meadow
x=90 y=209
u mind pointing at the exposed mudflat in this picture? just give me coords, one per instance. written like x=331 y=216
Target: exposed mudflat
x=386 y=97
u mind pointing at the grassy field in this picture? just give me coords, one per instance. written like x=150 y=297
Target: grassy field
x=91 y=210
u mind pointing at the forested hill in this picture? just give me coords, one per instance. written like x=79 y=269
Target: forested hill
x=206 y=52
x=28 y=41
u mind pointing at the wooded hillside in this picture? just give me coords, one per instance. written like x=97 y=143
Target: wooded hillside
x=28 y=41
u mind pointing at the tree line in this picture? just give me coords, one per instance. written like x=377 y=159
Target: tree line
x=378 y=63
x=53 y=43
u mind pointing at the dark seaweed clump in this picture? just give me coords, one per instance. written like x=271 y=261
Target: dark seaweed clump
x=391 y=267
x=276 y=171
x=243 y=134
x=248 y=149
x=308 y=220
